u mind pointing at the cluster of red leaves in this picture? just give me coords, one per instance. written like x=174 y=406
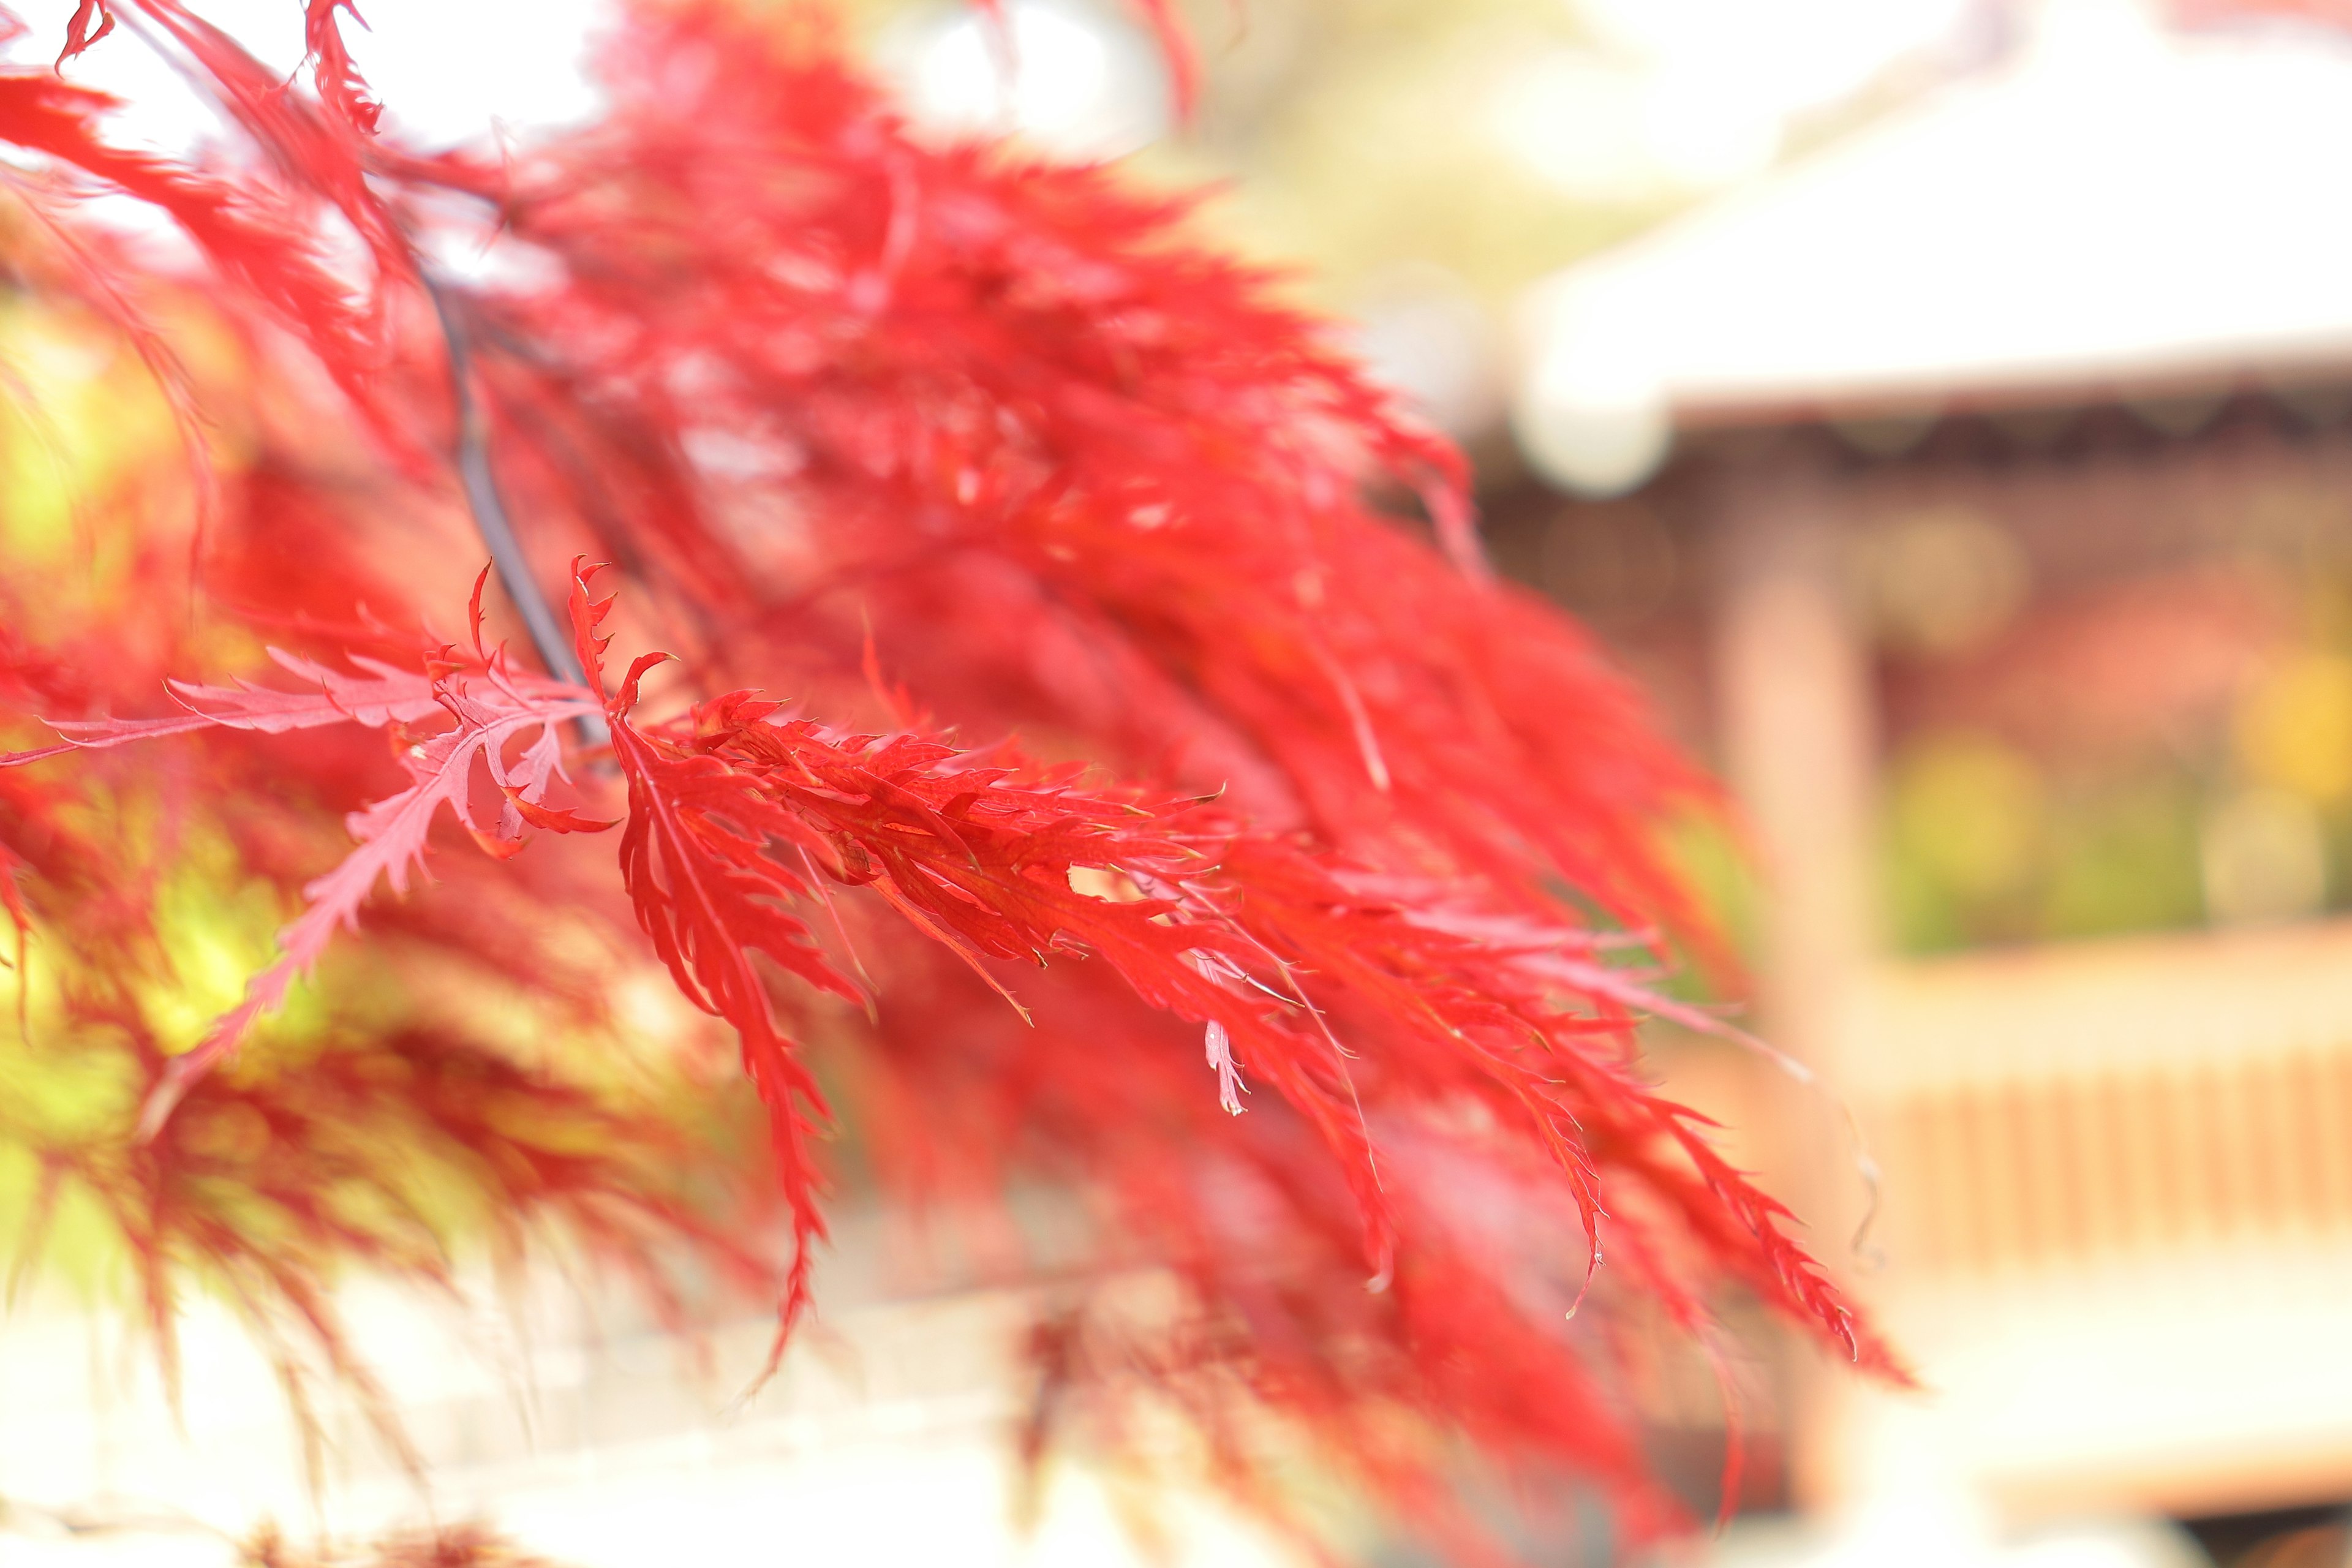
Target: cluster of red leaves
x=388 y=1136
x=489 y=715
x=837 y=399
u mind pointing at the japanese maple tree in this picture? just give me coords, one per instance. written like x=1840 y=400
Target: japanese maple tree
x=1054 y=769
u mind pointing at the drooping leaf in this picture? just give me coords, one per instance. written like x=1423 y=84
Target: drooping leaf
x=492 y=712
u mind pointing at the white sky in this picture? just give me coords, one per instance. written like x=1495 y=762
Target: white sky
x=446 y=69
x=1085 y=81
x=1690 y=91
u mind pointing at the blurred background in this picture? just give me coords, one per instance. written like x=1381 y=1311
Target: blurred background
x=1945 y=408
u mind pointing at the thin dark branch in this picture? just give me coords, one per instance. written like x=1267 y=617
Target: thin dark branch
x=491 y=520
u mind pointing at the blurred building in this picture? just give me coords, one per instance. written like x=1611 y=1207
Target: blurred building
x=1979 y=493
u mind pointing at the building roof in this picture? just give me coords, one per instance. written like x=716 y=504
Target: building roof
x=2118 y=212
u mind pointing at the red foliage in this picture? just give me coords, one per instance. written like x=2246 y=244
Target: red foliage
x=490 y=713
x=840 y=402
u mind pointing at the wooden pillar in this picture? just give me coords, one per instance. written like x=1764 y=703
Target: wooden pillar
x=1797 y=712
x=1796 y=716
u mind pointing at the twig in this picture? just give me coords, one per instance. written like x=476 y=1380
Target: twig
x=491 y=518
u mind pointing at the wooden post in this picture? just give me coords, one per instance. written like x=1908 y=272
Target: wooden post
x=1796 y=718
